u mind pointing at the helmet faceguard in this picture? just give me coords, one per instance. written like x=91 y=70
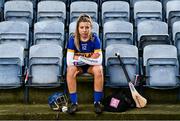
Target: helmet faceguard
x=57 y=100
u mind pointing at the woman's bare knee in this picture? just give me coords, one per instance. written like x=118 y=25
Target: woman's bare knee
x=97 y=71
x=71 y=70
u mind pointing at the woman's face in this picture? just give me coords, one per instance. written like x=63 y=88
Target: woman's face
x=84 y=30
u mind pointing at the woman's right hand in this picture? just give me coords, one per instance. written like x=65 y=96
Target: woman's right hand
x=76 y=57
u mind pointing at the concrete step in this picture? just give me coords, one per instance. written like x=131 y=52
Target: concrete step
x=85 y=95
x=43 y=112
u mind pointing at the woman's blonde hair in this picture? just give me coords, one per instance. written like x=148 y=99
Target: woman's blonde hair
x=81 y=18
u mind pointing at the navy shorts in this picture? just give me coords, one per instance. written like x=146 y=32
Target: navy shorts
x=85 y=68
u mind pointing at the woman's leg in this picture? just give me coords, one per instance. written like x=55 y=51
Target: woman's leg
x=72 y=72
x=97 y=71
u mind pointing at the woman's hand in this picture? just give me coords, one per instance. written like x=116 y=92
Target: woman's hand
x=95 y=55
x=76 y=57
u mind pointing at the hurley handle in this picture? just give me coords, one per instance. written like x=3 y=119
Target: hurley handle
x=123 y=67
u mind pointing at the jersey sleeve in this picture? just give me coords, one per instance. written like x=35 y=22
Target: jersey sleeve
x=70 y=51
x=97 y=44
x=70 y=45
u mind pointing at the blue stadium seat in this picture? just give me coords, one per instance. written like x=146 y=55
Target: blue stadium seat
x=33 y=1
x=145 y=10
x=97 y=1
x=172 y=12
x=161 y=66
x=45 y=65
x=133 y=1
x=114 y=73
x=176 y=36
x=11 y=65
x=65 y=1
x=14 y=32
x=19 y=10
x=115 y=10
x=117 y=32
x=49 y=32
x=72 y=28
x=164 y=2
x=51 y=10
x=78 y=7
x=102 y=1
x=152 y=32
x=70 y=1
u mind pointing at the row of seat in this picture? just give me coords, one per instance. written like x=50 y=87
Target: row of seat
x=99 y=2
x=160 y=65
x=45 y=66
x=111 y=10
x=114 y=32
